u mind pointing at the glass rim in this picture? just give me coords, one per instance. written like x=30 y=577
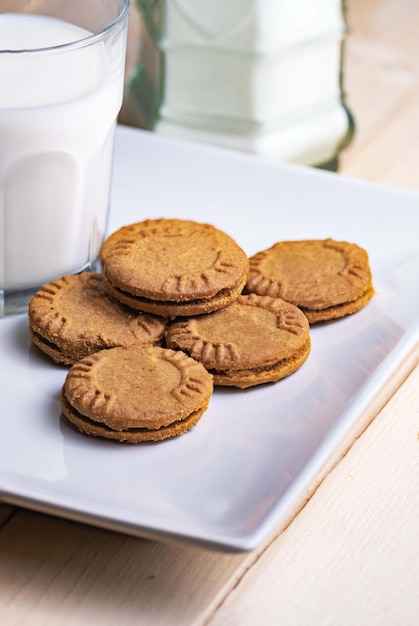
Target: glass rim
x=78 y=43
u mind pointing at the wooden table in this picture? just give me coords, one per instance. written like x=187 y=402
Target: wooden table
x=351 y=554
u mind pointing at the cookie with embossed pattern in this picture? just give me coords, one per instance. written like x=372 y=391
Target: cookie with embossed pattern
x=173 y=267
x=75 y=316
x=257 y=339
x=130 y=229
x=326 y=279
x=136 y=394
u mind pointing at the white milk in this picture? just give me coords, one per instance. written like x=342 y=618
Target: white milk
x=57 y=117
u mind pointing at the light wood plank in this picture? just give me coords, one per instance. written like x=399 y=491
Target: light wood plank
x=51 y=567
x=392 y=154
x=382 y=84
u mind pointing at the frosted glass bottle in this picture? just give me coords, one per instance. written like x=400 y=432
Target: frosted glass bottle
x=263 y=76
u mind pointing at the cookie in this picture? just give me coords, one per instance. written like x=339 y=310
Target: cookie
x=326 y=279
x=122 y=232
x=172 y=267
x=75 y=316
x=257 y=339
x=136 y=394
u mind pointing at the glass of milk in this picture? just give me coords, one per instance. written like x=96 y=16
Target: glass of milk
x=61 y=87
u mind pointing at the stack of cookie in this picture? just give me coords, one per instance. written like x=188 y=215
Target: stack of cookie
x=178 y=308
x=326 y=279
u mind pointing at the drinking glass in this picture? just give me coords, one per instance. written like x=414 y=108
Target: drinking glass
x=61 y=87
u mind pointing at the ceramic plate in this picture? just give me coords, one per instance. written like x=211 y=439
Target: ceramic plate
x=230 y=481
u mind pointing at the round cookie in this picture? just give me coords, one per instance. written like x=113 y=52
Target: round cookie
x=326 y=279
x=75 y=316
x=173 y=267
x=136 y=394
x=257 y=339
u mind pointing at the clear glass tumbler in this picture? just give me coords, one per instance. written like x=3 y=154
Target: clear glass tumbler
x=61 y=87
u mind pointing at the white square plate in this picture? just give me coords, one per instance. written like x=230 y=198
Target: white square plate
x=228 y=482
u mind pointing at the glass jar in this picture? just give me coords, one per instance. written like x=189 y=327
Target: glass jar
x=262 y=76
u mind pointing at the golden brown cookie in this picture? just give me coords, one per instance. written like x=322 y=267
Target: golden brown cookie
x=122 y=232
x=257 y=339
x=326 y=279
x=75 y=316
x=136 y=394
x=173 y=267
